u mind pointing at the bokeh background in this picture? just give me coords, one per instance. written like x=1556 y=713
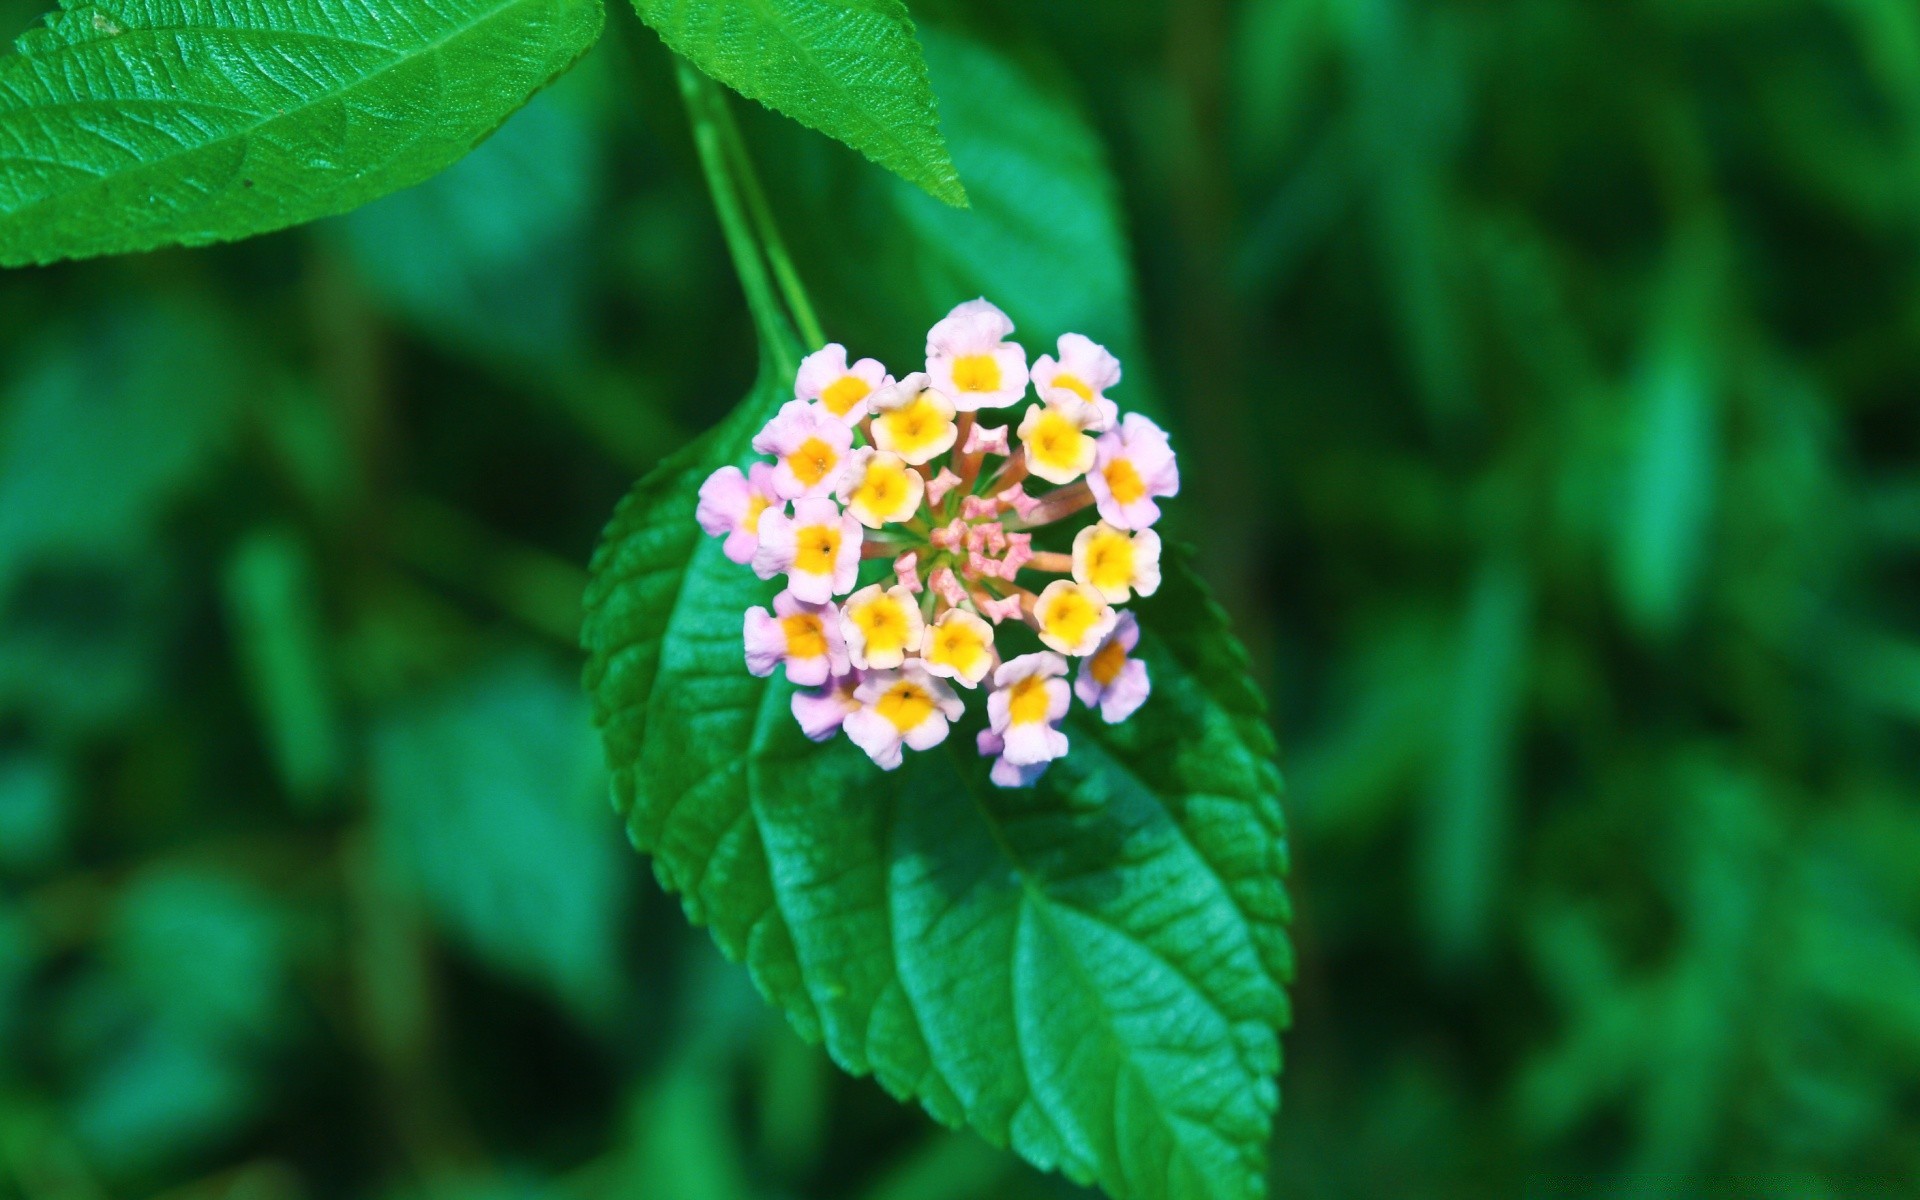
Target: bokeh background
x=1545 y=375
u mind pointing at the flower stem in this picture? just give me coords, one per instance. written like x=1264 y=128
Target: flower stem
x=712 y=128
x=775 y=246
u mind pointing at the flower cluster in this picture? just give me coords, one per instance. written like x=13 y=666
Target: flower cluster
x=864 y=466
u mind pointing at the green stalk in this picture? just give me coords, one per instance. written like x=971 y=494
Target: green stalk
x=707 y=113
x=761 y=212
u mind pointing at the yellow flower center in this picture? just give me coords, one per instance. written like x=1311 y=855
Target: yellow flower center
x=816 y=549
x=906 y=705
x=883 y=624
x=756 y=504
x=843 y=393
x=959 y=646
x=883 y=490
x=1074 y=384
x=1124 y=481
x=915 y=425
x=811 y=462
x=1027 y=702
x=1070 y=617
x=1055 y=440
x=1106 y=664
x=976 y=373
x=1110 y=561
x=806 y=638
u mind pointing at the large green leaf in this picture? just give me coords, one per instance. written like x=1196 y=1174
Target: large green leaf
x=131 y=124
x=1091 y=971
x=848 y=68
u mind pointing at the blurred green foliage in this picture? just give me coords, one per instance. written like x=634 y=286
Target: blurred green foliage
x=1547 y=370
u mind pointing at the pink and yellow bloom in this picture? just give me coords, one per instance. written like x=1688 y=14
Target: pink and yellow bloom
x=913 y=420
x=1029 y=700
x=803 y=637
x=955 y=514
x=1116 y=563
x=821 y=711
x=1072 y=618
x=904 y=708
x=817 y=549
x=959 y=646
x=1057 y=446
x=731 y=503
x=971 y=361
x=1134 y=466
x=883 y=626
x=879 y=488
x=1111 y=679
x=842 y=390
x=1082 y=374
x=810 y=449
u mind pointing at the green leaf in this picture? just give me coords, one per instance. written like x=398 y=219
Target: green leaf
x=848 y=68
x=132 y=124
x=491 y=257
x=488 y=799
x=108 y=423
x=1091 y=971
x=1044 y=237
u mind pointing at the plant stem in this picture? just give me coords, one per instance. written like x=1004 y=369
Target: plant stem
x=775 y=247
x=707 y=113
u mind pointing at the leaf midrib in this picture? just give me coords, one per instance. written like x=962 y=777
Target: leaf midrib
x=401 y=58
x=1037 y=901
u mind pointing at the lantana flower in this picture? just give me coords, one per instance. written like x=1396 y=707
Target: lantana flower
x=913 y=420
x=810 y=448
x=1133 y=466
x=821 y=711
x=817 y=549
x=970 y=359
x=1110 y=678
x=840 y=389
x=806 y=638
x=1083 y=373
x=882 y=626
x=879 y=488
x=969 y=554
x=731 y=503
x=1072 y=617
x=959 y=646
x=1116 y=563
x=1030 y=697
x=1059 y=450
x=907 y=707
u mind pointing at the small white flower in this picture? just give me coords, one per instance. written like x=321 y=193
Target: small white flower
x=907 y=707
x=1029 y=699
x=1058 y=447
x=731 y=504
x=913 y=420
x=805 y=637
x=840 y=389
x=879 y=487
x=1082 y=374
x=818 y=548
x=822 y=710
x=970 y=359
x=811 y=447
x=958 y=646
x=1110 y=678
x=1072 y=618
x=882 y=625
x=1116 y=563
x=1133 y=465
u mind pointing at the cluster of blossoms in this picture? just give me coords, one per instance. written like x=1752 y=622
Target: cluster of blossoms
x=869 y=467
